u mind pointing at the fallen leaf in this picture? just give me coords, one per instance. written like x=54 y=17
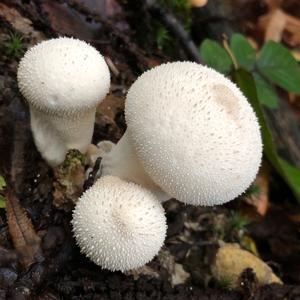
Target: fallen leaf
x=198 y=3
x=260 y=197
x=25 y=240
x=21 y=24
x=231 y=261
x=177 y=275
x=277 y=22
x=144 y=270
x=276 y=25
x=110 y=106
x=106 y=8
x=68 y=21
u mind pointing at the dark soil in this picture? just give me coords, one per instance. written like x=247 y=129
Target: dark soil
x=60 y=271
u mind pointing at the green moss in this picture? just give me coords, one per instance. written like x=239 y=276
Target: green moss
x=14 y=46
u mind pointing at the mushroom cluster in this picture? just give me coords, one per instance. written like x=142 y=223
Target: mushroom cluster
x=63 y=81
x=191 y=135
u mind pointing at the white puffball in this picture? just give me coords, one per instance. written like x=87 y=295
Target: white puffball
x=119 y=225
x=194 y=132
x=63 y=76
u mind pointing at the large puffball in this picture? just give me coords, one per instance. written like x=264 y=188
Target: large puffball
x=63 y=76
x=194 y=132
x=119 y=225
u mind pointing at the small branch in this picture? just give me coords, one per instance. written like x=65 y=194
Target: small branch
x=229 y=51
x=96 y=171
x=175 y=28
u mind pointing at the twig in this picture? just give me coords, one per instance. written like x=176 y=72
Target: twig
x=96 y=171
x=229 y=51
x=175 y=28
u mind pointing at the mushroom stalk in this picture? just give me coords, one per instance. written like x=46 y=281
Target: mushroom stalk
x=123 y=162
x=63 y=80
x=55 y=135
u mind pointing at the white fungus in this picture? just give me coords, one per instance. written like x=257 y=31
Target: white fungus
x=119 y=225
x=63 y=80
x=191 y=133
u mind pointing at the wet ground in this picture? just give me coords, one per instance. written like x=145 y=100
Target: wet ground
x=38 y=255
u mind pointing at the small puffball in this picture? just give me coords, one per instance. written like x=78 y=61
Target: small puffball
x=63 y=76
x=119 y=225
x=194 y=132
x=63 y=80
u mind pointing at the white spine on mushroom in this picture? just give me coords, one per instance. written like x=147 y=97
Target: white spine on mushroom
x=63 y=80
x=193 y=132
x=119 y=225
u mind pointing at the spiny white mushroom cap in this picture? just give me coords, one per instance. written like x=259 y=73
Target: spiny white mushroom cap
x=194 y=132
x=63 y=76
x=119 y=225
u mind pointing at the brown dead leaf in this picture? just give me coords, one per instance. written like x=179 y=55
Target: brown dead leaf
x=25 y=240
x=260 y=198
x=21 y=24
x=106 y=8
x=177 y=275
x=106 y=126
x=110 y=106
x=198 y=3
x=144 y=270
x=68 y=21
x=278 y=25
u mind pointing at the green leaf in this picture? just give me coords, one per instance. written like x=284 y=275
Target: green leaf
x=2 y=183
x=278 y=65
x=244 y=53
x=289 y=173
x=215 y=56
x=265 y=92
x=293 y=172
x=2 y=202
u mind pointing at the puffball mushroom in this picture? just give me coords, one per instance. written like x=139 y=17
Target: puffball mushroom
x=191 y=133
x=63 y=80
x=119 y=225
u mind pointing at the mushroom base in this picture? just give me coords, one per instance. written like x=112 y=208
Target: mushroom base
x=54 y=135
x=123 y=162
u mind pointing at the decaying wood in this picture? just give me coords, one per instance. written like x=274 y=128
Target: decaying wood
x=24 y=238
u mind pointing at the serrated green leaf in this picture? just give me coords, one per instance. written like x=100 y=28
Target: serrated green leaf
x=278 y=65
x=2 y=202
x=215 y=56
x=265 y=92
x=289 y=173
x=2 y=183
x=244 y=53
